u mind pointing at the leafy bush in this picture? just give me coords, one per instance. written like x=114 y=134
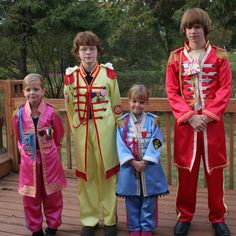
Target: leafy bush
x=154 y=80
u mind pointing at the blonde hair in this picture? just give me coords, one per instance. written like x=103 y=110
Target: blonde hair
x=194 y=16
x=139 y=91
x=32 y=77
x=86 y=38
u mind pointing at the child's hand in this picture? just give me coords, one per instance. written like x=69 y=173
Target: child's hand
x=198 y=122
x=138 y=165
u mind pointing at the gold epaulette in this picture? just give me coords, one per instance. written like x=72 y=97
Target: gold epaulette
x=173 y=55
x=221 y=53
x=120 y=123
x=157 y=121
x=155 y=118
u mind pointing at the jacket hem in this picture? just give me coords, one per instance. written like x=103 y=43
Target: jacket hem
x=146 y=197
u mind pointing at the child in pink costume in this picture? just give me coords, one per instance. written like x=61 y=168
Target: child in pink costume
x=39 y=132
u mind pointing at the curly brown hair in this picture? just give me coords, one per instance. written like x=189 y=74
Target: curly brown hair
x=85 y=38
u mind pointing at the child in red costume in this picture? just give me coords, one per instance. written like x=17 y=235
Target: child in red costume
x=198 y=85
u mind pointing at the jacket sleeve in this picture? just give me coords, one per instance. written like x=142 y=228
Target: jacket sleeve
x=114 y=93
x=69 y=98
x=153 y=150
x=58 y=129
x=124 y=152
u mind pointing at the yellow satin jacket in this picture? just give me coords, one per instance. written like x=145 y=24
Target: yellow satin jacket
x=98 y=102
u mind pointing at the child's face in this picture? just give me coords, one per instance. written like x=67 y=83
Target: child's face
x=137 y=106
x=195 y=34
x=34 y=92
x=88 y=55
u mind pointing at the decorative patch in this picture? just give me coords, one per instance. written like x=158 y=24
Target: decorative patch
x=26 y=147
x=144 y=133
x=117 y=109
x=156 y=143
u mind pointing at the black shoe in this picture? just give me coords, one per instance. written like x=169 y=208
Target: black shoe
x=89 y=230
x=110 y=230
x=50 y=231
x=38 y=233
x=181 y=228
x=221 y=229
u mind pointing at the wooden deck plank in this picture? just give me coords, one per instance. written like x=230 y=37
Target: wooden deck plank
x=12 y=216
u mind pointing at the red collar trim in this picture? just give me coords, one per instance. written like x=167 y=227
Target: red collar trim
x=92 y=73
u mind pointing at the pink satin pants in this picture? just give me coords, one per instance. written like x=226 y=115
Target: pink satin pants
x=52 y=204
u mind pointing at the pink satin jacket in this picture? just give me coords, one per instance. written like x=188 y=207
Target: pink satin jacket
x=49 y=134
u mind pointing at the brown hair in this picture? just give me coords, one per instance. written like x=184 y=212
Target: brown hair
x=32 y=77
x=83 y=39
x=194 y=16
x=138 y=91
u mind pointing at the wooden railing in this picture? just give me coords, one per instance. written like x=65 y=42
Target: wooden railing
x=155 y=105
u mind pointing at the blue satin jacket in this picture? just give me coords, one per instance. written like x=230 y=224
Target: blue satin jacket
x=140 y=142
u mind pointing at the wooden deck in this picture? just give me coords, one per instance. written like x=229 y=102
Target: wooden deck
x=12 y=217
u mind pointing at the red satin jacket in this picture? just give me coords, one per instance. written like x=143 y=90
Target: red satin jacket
x=199 y=87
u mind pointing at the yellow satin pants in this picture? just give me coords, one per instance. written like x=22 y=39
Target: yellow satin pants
x=97 y=193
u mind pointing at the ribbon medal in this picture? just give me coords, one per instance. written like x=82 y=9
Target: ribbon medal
x=191 y=68
x=101 y=95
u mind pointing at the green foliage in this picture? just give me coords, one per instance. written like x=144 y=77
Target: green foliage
x=154 y=80
x=41 y=33
x=132 y=35
x=137 y=36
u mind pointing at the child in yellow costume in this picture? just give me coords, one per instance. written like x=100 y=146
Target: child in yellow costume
x=93 y=104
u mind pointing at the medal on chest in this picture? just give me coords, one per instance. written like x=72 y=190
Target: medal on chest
x=191 y=67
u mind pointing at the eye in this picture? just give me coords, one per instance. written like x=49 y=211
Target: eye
x=83 y=49
x=92 y=49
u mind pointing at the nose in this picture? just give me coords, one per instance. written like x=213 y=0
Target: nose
x=193 y=29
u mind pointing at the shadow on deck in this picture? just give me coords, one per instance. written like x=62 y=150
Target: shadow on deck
x=12 y=216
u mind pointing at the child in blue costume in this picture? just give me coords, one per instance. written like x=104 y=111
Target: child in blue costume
x=141 y=178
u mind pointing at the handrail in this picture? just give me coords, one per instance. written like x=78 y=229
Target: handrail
x=156 y=105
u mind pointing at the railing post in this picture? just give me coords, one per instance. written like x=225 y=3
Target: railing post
x=10 y=137
x=68 y=144
x=231 y=150
x=168 y=147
